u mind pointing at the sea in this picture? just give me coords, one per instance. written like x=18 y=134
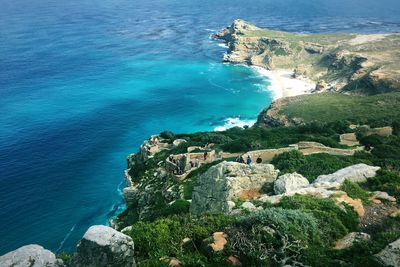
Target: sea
x=84 y=82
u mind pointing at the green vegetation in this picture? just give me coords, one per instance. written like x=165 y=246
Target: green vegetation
x=377 y=110
x=164 y=237
x=298 y=229
x=355 y=191
x=314 y=165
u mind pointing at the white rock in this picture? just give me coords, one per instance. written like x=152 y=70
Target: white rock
x=177 y=142
x=228 y=181
x=32 y=256
x=355 y=173
x=103 y=246
x=383 y=196
x=390 y=255
x=249 y=206
x=289 y=182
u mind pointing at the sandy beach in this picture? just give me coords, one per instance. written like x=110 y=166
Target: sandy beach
x=284 y=85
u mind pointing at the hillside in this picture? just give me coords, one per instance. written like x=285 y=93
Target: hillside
x=366 y=64
x=328 y=107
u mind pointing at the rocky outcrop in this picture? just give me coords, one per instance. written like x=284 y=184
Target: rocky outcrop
x=229 y=181
x=32 y=256
x=104 y=246
x=355 y=173
x=390 y=255
x=289 y=182
x=350 y=239
x=341 y=60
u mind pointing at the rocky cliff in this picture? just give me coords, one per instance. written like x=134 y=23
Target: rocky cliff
x=338 y=62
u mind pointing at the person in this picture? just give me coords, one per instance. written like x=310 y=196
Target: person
x=259 y=159
x=241 y=159
x=171 y=157
x=197 y=163
x=248 y=161
x=205 y=155
x=191 y=164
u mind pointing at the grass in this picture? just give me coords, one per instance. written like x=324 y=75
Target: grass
x=379 y=109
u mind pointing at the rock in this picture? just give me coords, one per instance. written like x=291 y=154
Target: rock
x=231 y=205
x=355 y=203
x=219 y=241
x=249 y=206
x=390 y=255
x=271 y=199
x=355 y=173
x=177 y=142
x=30 y=256
x=395 y=214
x=350 y=239
x=173 y=262
x=289 y=182
x=313 y=48
x=321 y=86
x=232 y=260
x=104 y=246
x=228 y=181
x=383 y=196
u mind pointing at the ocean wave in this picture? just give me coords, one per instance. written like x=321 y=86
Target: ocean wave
x=65 y=238
x=223 y=45
x=234 y=122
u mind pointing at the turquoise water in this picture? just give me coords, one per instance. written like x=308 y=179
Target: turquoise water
x=82 y=83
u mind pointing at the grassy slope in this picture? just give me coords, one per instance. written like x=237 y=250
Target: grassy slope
x=328 y=107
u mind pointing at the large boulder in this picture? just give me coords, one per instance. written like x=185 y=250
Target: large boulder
x=390 y=255
x=30 y=256
x=228 y=181
x=104 y=246
x=355 y=173
x=289 y=182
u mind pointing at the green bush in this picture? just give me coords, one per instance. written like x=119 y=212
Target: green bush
x=312 y=166
x=271 y=236
x=353 y=190
x=388 y=181
x=348 y=217
x=163 y=237
x=180 y=206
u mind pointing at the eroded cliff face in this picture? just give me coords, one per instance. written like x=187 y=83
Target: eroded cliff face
x=361 y=64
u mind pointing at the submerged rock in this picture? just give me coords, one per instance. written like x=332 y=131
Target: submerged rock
x=228 y=181
x=104 y=246
x=30 y=256
x=289 y=182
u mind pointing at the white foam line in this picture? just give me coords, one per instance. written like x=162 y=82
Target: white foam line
x=65 y=238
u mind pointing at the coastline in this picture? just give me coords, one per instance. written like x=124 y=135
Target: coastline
x=282 y=84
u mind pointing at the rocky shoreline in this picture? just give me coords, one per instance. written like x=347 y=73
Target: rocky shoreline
x=361 y=64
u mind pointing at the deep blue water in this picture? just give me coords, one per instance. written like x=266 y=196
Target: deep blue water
x=82 y=83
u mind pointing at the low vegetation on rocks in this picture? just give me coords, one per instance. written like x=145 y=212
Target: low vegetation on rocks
x=298 y=230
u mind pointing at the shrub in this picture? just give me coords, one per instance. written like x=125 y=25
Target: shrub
x=353 y=190
x=273 y=236
x=289 y=161
x=312 y=166
x=388 y=181
x=163 y=237
x=168 y=135
x=348 y=217
x=180 y=206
